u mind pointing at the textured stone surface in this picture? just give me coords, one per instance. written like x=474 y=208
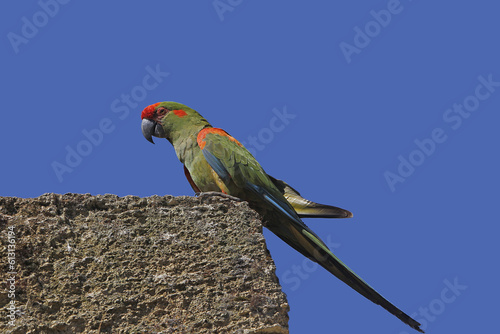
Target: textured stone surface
x=108 y=264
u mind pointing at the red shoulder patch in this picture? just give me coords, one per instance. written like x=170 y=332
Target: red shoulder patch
x=203 y=133
x=149 y=111
x=179 y=113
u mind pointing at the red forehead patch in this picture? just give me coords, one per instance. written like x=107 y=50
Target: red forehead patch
x=149 y=111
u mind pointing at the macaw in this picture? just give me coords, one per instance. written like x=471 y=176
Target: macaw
x=214 y=161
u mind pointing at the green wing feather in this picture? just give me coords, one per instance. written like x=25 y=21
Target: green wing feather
x=306 y=208
x=242 y=173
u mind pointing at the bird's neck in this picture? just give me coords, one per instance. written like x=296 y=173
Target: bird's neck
x=186 y=145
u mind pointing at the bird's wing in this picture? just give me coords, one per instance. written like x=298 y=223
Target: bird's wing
x=234 y=163
x=306 y=208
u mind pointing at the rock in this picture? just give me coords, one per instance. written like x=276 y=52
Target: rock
x=109 y=264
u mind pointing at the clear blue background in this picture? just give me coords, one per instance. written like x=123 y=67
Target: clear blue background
x=352 y=122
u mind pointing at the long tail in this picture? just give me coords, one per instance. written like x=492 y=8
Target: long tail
x=287 y=225
x=306 y=208
x=308 y=243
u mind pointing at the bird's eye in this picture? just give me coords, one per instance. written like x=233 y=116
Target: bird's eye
x=161 y=111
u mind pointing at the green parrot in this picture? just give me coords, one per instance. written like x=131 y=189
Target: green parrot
x=214 y=161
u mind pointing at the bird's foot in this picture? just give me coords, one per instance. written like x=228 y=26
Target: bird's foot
x=216 y=193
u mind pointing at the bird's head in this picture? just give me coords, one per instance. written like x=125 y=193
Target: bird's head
x=170 y=120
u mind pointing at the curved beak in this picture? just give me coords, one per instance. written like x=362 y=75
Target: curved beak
x=151 y=128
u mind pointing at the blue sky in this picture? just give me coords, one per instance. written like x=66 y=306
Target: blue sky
x=387 y=108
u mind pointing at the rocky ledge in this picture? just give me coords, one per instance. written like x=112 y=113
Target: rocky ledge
x=106 y=264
